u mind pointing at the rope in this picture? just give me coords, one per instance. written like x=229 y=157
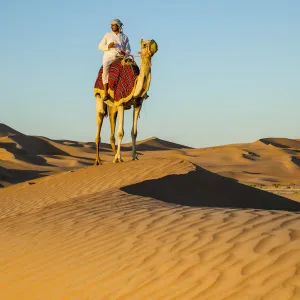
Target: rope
x=120 y=55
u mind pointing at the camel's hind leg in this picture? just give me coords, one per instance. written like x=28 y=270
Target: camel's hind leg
x=100 y=113
x=136 y=113
x=118 y=157
x=113 y=112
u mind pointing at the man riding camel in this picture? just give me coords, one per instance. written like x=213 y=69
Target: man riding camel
x=113 y=44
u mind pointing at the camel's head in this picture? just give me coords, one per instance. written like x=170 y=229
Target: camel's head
x=148 y=48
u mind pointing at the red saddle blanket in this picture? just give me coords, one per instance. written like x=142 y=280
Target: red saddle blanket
x=121 y=80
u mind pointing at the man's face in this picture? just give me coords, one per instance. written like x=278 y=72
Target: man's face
x=114 y=27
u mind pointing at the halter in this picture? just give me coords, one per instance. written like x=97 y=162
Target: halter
x=148 y=51
x=148 y=48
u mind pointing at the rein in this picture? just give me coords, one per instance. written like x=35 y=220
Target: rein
x=132 y=55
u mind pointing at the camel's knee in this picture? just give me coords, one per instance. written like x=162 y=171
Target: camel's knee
x=101 y=113
x=97 y=140
x=112 y=139
x=120 y=134
x=134 y=134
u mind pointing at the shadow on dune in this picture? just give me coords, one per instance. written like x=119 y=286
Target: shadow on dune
x=37 y=146
x=23 y=155
x=13 y=176
x=86 y=145
x=293 y=151
x=276 y=144
x=296 y=160
x=91 y=148
x=202 y=188
x=82 y=157
x=69 y=143
x=283 y=143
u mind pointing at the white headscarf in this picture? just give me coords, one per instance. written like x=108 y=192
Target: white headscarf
x=117 y=22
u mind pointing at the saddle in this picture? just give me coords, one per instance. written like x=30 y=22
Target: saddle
x=122 y=78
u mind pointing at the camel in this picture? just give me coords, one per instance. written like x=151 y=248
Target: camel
x=139 y=94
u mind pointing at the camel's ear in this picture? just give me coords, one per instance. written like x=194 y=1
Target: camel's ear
x=142 y=41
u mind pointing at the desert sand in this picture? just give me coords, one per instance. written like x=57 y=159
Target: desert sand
x=181 y=223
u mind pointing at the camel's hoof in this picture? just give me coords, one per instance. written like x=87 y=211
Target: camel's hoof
x=97 y=163
x=117 y=160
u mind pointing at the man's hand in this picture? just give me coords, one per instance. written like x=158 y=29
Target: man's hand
x=111 y=45
x=122 y=53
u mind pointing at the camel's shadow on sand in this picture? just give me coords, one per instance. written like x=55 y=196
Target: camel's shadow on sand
x=202 y=188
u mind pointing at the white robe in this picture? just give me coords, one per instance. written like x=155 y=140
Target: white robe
x=121 y=44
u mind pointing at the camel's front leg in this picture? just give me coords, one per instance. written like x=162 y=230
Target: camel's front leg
x=136 y=113
x=100 y=112
x=120 y=133
x=113 y=112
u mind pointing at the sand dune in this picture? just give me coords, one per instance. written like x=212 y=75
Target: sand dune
x=92 y=234
x=180 y=223
x=39 y=155
x=264 y=162
x=6 y=130
x=23 y=144
x=156 y=144
x=282 y=143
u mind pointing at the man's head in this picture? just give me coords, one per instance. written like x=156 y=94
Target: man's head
x=116 y=25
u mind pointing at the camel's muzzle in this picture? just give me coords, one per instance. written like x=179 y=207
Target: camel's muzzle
x=153 y=47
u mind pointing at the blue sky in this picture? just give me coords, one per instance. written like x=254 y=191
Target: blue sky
x=226 y=71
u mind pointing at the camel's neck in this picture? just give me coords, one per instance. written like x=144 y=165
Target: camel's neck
x=144 y=78
x=145 y=65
